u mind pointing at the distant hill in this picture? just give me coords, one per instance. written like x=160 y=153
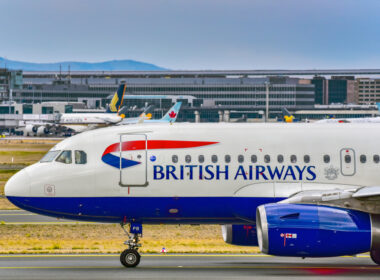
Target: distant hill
x=111 y=65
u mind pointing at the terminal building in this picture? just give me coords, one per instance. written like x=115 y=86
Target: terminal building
x=207 y=96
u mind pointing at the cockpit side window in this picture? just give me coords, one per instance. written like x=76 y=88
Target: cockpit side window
x=50 y=156
x=65 y=157
x=80 y=157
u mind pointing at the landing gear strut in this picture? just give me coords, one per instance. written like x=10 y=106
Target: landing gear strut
x=131 y=257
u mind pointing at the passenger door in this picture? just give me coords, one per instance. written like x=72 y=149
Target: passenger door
x=133 y=160
x=347 y=162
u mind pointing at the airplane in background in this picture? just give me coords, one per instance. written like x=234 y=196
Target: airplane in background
x=80 y=122
x=352 y=120
x=307 y=197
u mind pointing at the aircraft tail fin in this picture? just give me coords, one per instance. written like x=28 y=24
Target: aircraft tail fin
x=172 y=114
x=286 y=115
x=146 y=115
x=117 y=100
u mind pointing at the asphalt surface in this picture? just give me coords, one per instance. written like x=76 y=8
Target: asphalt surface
x=185 y=267
x=14 y=217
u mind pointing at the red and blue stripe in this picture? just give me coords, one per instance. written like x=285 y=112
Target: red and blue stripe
x=137 y=145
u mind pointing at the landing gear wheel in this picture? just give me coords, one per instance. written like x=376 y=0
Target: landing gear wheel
x=375 y=256
x=130 y=258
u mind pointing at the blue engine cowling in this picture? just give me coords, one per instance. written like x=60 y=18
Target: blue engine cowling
x=312 y=231
x=243 y=235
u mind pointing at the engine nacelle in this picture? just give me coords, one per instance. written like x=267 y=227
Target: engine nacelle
x=243 y=235
x=42 y=130
x=315 y=231
x=28 y=130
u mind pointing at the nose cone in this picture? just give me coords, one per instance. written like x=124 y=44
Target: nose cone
x=18 y=185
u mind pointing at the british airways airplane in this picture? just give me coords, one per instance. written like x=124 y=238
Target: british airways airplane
x=300 y=190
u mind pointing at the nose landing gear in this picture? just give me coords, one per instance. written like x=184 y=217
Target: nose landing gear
x=131 y=257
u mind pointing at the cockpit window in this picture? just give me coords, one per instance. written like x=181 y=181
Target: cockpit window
x=50 y=156
x=64 y=157
x=80 y=157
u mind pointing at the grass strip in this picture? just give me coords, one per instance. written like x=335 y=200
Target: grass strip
x=109 y=238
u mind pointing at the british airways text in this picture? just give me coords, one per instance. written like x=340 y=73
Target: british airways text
x=219 y=172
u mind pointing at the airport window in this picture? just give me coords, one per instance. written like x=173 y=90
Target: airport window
x=64 y=157
x=214 y=158
x=376 y=158
x=293 y=158
x=306 y=158
x=174 y=158
x=253 y=158
x=201 y=158
x=363 y=158
x=347 y=159
x=50 y=156
x=240 y=158
x=266 y=158
x=80 y=157
x=188 y=158
x=326 y=158
x=280 y=158
x=227 y=158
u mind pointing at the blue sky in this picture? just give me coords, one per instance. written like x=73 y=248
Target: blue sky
x=196 y=34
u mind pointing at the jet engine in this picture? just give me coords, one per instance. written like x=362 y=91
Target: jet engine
x=29 y=130
x=244 y=235
x=316 y=231
x=42 y=130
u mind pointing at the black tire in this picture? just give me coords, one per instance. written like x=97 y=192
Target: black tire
x=375 y=256
x=130 y=258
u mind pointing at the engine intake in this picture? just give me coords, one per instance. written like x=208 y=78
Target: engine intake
x=315 y=231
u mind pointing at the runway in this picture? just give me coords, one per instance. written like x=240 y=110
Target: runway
x=184 y=267
x=15 y=217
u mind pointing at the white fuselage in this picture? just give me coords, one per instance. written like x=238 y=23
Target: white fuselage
x=268 y=162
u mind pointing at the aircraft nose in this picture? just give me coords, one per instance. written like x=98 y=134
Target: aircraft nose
x=18 y=184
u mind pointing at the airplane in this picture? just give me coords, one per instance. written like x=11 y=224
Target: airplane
x=79 y=122
x=297 y=190
x=352 y=120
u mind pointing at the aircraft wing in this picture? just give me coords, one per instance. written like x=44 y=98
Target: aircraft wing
x=365 y=199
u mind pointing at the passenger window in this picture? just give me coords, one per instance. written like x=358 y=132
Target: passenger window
x=293 y=158
x=174 y=158
x=227 y=158
x=214 y=158
x=363 y=158
x=347 y=158
x=326 y=158
x=201 y=158
x=64 y=157
x=80 y=157
x=266 y=158
x=253 y=158
x=188 y=158
x=376 y=158
x=240 y=158
x=280 y=158
x=306 y=158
